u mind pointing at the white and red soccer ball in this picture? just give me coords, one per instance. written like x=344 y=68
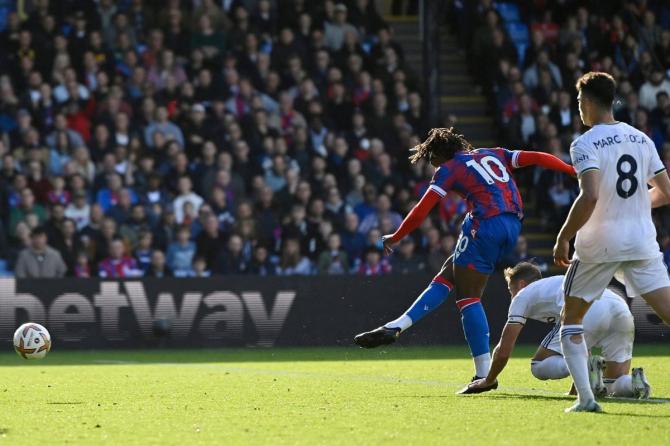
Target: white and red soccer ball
x=32 y=341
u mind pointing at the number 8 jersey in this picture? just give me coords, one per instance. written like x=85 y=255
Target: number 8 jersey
x=620 y=227
x=483 y=178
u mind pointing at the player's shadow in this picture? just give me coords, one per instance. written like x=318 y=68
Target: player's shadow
x=628 y=414
x=543 y=397
x=650 y=401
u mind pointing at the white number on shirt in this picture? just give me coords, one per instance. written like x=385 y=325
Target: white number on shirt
x=484 y=169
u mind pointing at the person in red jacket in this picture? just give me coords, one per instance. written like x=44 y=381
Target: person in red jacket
x=483 y=177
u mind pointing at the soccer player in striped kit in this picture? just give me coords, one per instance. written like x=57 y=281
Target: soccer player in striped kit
x=489 y=232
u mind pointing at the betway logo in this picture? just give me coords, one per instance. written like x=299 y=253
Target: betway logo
x=223 y=318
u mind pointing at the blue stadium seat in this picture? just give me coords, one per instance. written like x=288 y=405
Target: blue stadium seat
x=509 y=12
x=518 y=32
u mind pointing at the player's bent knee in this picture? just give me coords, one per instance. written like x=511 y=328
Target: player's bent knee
x=553 y=367
x=536 y=370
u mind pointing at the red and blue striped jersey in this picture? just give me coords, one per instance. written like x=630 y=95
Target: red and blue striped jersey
x=483 y=177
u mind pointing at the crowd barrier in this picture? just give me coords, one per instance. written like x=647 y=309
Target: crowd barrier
x=248 y=311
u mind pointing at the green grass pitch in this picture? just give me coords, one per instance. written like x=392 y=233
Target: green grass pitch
x=398 y=395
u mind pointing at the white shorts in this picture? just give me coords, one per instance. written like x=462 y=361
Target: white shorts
x=608 y=325
x=587 y=281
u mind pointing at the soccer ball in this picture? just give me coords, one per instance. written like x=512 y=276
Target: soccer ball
x=32 y=341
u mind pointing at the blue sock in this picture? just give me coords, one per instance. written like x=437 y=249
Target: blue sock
x=476 y=329
x=432 y=297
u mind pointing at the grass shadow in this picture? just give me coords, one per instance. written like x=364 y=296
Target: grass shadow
x=244 y=355
x=272 y=355
x=629 y=414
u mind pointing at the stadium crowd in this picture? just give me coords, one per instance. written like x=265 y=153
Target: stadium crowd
x=159 y=138
x=151 y=138
x=527 y=55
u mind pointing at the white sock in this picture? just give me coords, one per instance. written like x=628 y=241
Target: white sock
x=553 y=367
x=622 y=386
x=403 y=323
x=577 y=357
x=482 y=364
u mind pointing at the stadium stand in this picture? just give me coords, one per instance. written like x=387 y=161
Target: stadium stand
x=270 y=136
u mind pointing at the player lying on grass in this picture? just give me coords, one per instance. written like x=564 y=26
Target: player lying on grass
x=489 y=232
x=608 y=325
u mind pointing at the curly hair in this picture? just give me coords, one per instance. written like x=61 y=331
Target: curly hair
x=442 y=141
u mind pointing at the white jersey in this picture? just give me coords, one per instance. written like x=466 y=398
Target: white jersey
x=620 y=227
x=542 y=301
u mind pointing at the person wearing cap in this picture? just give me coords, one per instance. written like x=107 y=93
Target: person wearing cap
x=39 y=260
x=337 y=28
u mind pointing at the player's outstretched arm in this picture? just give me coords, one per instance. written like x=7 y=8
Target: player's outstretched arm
x=413 y=219
x=546 y=160
x=582 y=208
x=660 y=191
x=501 y=355
x=503 y=351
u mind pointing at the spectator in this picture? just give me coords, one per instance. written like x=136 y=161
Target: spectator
x=406 y=260
x=334 y=260
x=260 y=264
x=299 y=228
x=118 y=264
x=181 y=252
x=39 y=260
x=660 y=116
x=186 y=196
x=656 y=83
x=336 y=29
x=289 y=110
x=374 y=264
x=382 y=210
x=54 y=224
x=143 y=250
x=439 y=252
x=521 y=254
x=69 y=245
x=200 y=268
x=109 y=196
x=161 y=125
x=531 y=77
x=232 y=260
x=79 y=210
x=292 y=261
x=120 y=211
x=210 y=242
x=157 y=267
x=26 y=206
x=82 y=268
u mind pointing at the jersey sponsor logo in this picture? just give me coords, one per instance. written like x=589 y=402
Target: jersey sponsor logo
x=581 y=158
